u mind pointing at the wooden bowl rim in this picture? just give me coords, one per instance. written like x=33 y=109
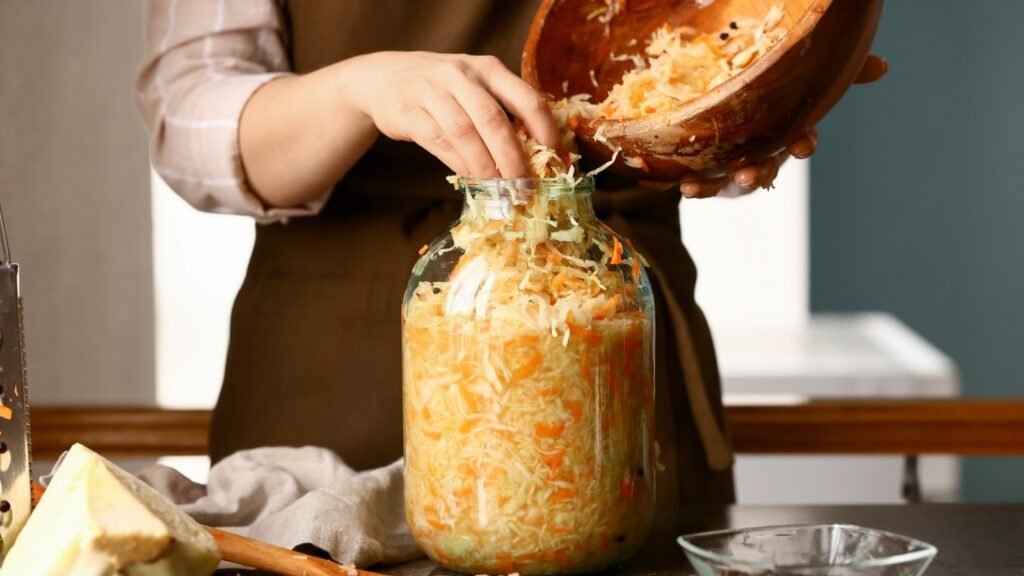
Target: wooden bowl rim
x=677 y=115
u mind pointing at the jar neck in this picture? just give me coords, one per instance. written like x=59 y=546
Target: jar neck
x=507 y=199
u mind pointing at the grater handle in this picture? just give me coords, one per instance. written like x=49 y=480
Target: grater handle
x=5 y=249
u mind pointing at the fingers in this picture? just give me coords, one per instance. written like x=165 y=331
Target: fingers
x=742 y=181
x=805 y=146
x=760 y=175
x=425 y=131
x=520 y=99
x=748 y=177
x=693 y=187
x=455 y=106
x=462 y=133
x=494 y=128
x=771 y=171
x=874 y=68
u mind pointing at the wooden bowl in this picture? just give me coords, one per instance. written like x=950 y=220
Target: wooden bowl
x=747 y=118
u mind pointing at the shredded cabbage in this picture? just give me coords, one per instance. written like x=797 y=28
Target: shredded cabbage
x=529 y=388
x=681 y=65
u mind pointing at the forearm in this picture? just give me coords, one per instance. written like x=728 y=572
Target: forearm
x=299 y=135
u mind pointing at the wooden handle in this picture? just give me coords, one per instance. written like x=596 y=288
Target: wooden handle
x=263 y=556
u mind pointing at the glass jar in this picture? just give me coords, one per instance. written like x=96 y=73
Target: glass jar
x=528 y=362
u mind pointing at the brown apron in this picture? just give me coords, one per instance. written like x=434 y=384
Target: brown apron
x=315 y=351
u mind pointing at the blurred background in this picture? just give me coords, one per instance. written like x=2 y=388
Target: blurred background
x=887 y=266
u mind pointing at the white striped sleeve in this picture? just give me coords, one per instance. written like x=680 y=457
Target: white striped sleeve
x=204 y=59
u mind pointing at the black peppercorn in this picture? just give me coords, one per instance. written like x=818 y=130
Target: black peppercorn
x=437 y=290
x=639 y=472
x=5 y=506
x=724 y=35
x=620 y=538
x=733 y=25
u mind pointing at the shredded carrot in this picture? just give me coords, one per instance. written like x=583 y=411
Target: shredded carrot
x=609 y=307
x=37 y=493
x=554 y=461
x=423 y=249
x=468 y=425
x=582 y=332
x=576 y=409
x=558 y=282
x=547 y=393
x=584 y=368
x=564 y=494
x=526 y=340
x=626 y=486
x=471 y=400
x=636 y=261
x=444 y=557
x=616 y=251
x=434 y=523
x=526 y=369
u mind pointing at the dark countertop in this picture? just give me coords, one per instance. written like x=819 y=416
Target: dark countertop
x=972 y=539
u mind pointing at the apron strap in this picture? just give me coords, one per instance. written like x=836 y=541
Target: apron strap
x=716 y=446
x=616 y=205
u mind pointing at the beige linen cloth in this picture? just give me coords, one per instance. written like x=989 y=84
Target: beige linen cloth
x=295 y=497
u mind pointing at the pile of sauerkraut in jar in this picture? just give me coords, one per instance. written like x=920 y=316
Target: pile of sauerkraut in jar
x=528 y=360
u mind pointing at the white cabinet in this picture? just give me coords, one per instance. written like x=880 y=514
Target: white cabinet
x=835 y=356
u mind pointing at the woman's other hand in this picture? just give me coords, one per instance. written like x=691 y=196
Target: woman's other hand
x=761 y=175
x=452 y=105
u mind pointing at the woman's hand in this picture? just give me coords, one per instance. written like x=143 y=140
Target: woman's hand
x=454 y=106
x=761 y=175
x=299 y=135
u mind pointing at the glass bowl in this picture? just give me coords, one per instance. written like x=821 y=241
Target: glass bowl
x=806 y=550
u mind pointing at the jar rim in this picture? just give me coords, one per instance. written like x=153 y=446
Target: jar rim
x=559 y=185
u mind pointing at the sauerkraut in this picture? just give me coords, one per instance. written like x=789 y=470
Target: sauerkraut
x=680 y=65
x=528 y=366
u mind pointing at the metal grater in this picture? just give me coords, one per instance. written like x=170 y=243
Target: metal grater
x=15 y=443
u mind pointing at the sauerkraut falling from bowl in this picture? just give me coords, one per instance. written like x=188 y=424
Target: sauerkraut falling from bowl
x=529 y=389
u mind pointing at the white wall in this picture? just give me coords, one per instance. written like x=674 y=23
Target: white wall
x=752 y=255
x=74 y=186
x=199 y=261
